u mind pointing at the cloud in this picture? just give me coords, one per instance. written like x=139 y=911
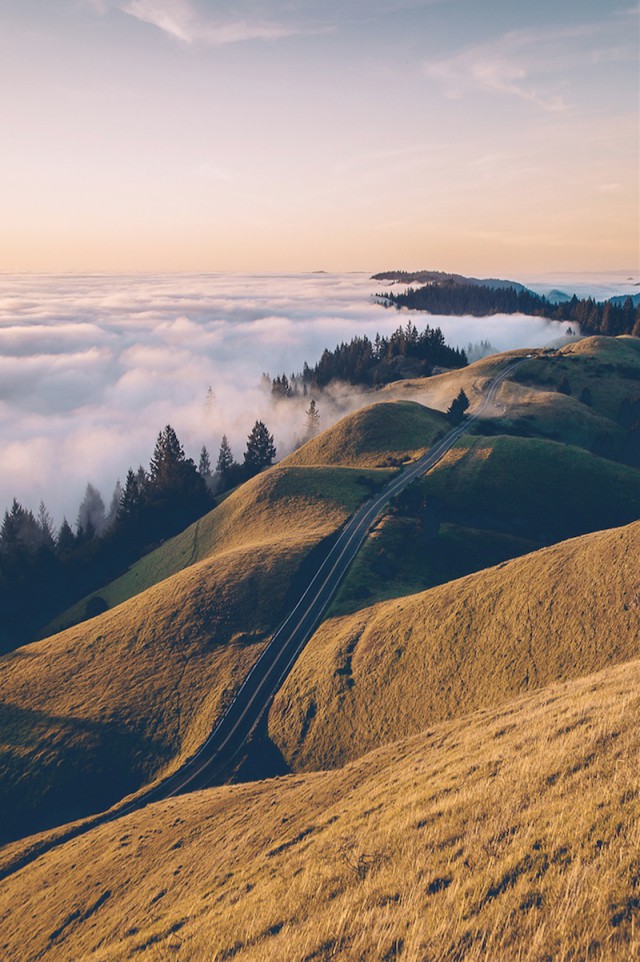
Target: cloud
x=535 y=65
x=93 y=367
x=512 y=64
x=181 y=20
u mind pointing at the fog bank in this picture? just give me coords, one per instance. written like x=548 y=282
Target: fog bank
x=92 y=367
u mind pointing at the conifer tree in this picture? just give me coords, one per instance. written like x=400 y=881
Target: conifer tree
x=225 y=462
x=204 y=466
x=260 y=451
x=313 y=420
x=66 y=540
x=455 y=411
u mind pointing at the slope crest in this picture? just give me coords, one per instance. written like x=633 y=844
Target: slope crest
x=379 y=435
x=393 y=669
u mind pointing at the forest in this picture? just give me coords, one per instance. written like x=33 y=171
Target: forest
x=44 y=570
x=592 y=317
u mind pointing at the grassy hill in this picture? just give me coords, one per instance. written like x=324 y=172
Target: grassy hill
x=512 y=834
x=280 y=504
x=488 y=500
x=393 y=669
x=608 y=366
x=379 y=435
x=100 y=709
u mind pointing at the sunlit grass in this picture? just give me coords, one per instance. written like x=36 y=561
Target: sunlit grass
x=512 y=834
x=392 y=669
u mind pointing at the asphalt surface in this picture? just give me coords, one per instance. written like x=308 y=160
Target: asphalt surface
x=217 y=754
x=215 y=758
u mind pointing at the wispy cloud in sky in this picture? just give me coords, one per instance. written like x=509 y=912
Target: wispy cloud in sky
x=531 y=64
x=513 y=64
x=181 y=20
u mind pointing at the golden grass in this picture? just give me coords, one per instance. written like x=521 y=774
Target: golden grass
x=511 y=835
x=608 y=366
x=390 y=670
x=375 y=436
x=98 y=710
x=277 y=504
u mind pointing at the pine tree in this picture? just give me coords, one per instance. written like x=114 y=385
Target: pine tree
x=46 y=528
x=131 y=500
x=225 y=462
x=66 y=540
x=313 y=420
x=455 y=411
x=114 y=504
x=260 y=451
x=168 y=457
x=204 y=466
x=91 y=514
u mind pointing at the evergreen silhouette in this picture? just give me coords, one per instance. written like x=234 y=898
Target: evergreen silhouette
x=457 y=408
x=260 y=452
x=313 y=420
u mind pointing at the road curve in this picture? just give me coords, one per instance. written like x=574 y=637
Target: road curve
x=213 y=758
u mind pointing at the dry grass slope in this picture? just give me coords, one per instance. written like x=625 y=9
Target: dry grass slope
x=388 y=671
x=95 y=712
x=278 y=504
x=511 y=835
x=381 y=434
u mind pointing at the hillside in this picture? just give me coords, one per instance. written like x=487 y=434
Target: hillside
x=609 y=367
x=400 y=666
x=100 y=709
x=511 y=834
x=490 y=499
x=280 y=504
x=378 y=435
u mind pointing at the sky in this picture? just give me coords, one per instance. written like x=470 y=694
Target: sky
x=297 y=135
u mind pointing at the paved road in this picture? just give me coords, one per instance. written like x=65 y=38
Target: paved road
x=268 y=674
x=253 y=699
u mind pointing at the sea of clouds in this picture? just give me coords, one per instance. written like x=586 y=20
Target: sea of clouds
x=93 y=367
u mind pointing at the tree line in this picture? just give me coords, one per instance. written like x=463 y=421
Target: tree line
x=44 y=570
x=594 y=317
x=362 y=361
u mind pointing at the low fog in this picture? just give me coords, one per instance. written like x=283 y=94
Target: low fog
x=93 y=367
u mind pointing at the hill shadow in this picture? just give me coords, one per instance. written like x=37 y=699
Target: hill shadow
x=55 y=769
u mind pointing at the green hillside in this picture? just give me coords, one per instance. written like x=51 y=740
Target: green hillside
x=379 y=435
x=280 y=503
x=488 y=500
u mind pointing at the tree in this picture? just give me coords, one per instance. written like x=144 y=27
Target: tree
x=455 y=411
x=565 y=386
x=585 y=396
x=114 y=505
x=167 y=460
x=66 y=540
x=225 y=462
x=313 y=420
x=131 y=501
x=46 y=528
x=92 y=519
x=260 y=451
x=204 y=467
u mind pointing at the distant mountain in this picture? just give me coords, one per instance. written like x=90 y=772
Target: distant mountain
x=558 y=297
x=442 y=277
x=621 y=299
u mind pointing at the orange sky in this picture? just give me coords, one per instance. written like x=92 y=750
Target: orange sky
x=195 y=136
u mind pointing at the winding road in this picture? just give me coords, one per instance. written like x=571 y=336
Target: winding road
x=254 y=697
x=213 y=759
